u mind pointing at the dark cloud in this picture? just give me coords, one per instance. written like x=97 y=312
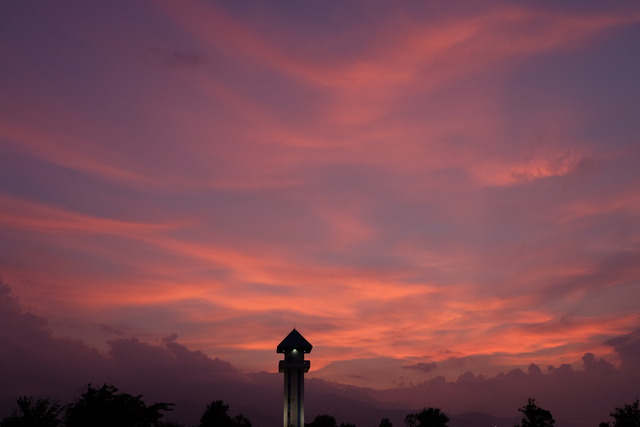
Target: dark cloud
x=32 y=361
x=575 y=397
x=534 y=369
x=35 y=362
x=422 y=366
x=594 y=365
x=628 y=347
x=120 y=331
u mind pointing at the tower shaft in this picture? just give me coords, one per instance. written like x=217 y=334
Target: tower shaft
x=293 y=415
x=294 y=346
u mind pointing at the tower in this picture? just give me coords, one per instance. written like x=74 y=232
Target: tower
x=294 y=346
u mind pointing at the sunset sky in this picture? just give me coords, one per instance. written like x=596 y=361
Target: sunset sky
x=421 y=188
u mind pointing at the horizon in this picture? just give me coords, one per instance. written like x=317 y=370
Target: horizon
x=424 y=190
x=168 y=371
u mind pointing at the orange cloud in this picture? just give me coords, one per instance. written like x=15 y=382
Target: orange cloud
x=382 y=200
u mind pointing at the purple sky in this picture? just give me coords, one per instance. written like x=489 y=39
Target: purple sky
x=424 y=189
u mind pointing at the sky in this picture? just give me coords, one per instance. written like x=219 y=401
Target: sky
x=425 y=190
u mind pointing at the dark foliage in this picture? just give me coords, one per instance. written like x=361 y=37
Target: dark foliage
x=535 y=416
x=322 y=421
x=627 y=415
x=241 y=421
x=385 y=422
x=428 y=417
x=40 y=413
x=215 y=415
x=106 y=407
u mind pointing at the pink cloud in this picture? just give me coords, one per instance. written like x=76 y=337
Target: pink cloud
x=405 y=54
x=399 y=200
x=82 y=155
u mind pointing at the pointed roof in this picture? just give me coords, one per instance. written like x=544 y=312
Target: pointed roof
x=294 y=341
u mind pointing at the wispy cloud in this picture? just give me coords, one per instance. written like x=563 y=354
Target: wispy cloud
x=413 y=185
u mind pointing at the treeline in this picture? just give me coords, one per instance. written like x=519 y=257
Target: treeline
x=106 y=406
x=533 y=415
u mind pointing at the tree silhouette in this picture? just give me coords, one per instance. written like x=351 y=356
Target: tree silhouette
x=215 y=415
x=534 y=416
x=627 y=415
x=40 y=413
x=241 y=421
x=322 y=421
x=428 y=417
x=385 y=422
x=106 y=407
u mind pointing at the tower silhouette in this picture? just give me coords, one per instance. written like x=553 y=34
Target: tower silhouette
x=294 y=346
